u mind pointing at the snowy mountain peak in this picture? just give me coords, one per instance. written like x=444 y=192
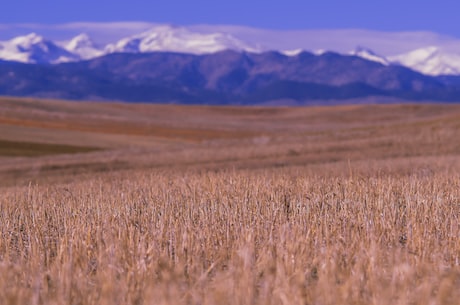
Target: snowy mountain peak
x=28 y=40
x=178 y=39
x=320 y=52
x=79 y=41
x=33 y=48
x=368 y=54
x=430 y=60
x=83 y=46
x=294 y=52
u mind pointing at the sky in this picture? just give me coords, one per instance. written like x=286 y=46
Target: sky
x=390 y=15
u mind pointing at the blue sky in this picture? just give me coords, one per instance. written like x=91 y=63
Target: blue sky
x=404 y=15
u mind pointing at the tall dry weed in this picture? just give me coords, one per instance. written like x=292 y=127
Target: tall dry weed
x=233 y=238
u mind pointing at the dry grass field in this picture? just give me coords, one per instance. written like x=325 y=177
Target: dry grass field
x=107 y=203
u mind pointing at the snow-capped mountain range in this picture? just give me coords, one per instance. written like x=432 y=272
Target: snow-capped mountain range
x=33 y=48
x=178 y=39
x=431 y=60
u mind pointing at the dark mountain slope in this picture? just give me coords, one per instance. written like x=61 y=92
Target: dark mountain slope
x=224 y=77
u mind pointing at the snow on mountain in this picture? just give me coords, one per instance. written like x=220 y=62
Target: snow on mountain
x=83 y=46
x=338 y=40
x=369 y=55
x=178 y=39
x=431 y=61
x=320 y=52
x=408 y=49
x=294 y=52
x=33 y=48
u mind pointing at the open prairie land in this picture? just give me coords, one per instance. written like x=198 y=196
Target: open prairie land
x=110 y=203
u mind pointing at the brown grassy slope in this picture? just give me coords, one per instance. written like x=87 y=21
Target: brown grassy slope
x=30 y=149
x=169 y=136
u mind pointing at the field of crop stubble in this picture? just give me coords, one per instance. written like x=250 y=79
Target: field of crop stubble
x=137 y=204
